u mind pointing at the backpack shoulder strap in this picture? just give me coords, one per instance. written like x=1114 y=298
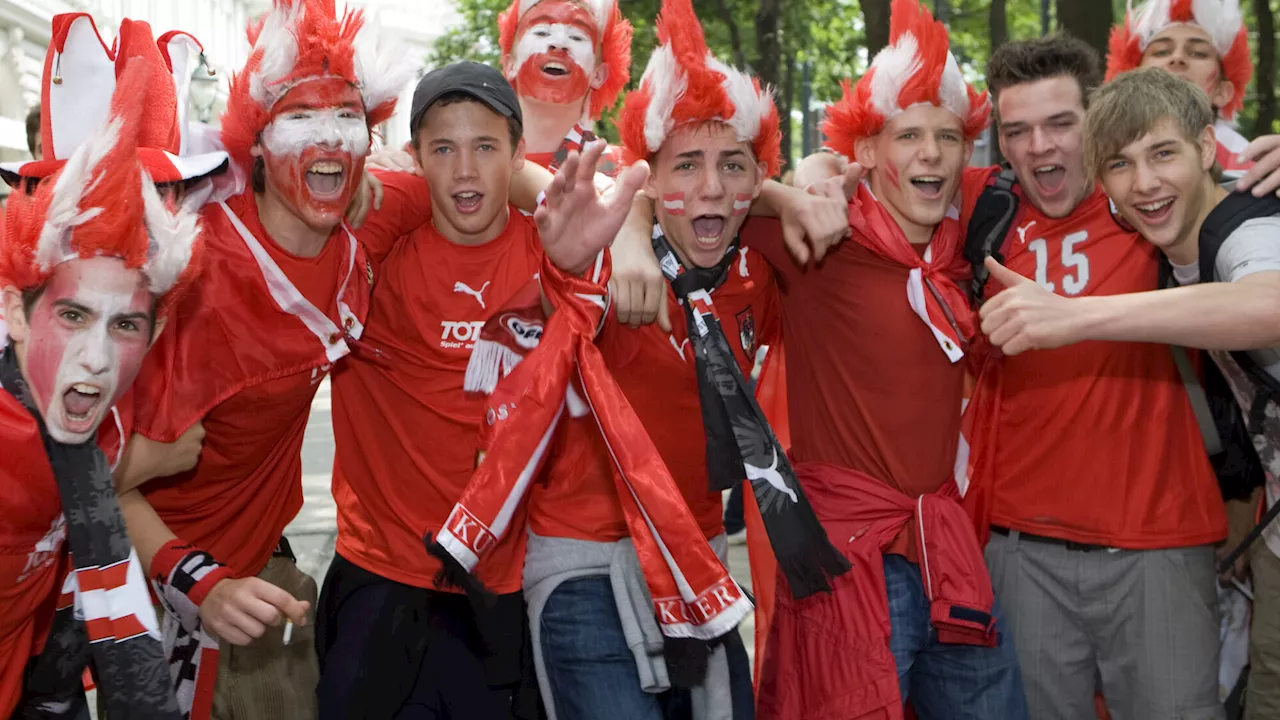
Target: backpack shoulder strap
x=992 y=219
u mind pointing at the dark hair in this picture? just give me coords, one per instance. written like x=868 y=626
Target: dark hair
x=513 y=125
x=258 y=175
x=1026 y=61
x=33 y=130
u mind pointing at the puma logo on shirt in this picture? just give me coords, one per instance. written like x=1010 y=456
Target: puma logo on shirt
x=461 y=287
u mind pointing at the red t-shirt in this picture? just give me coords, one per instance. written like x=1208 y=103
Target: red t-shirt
x=1096 y=442
x=868 y=387
x=655 y=370
x=247 y=487
x=407 y=435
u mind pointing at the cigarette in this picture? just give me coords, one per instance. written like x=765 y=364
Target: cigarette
x=288 y=631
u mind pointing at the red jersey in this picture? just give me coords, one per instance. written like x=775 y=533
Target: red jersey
x=655 y=370
x=868 y=387
x=407 y=435
x=245 y=352
x=1095 y=442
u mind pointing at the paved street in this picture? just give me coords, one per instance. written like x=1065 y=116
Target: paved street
x=312 y=533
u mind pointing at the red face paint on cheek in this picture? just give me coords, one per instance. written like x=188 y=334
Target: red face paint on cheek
x=555 y=50
x=47 y=344
x=741 y=203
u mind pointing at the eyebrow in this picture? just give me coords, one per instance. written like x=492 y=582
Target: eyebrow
x=1161 y=145
x=136 y=317
x=450 y=141
x=73 y=305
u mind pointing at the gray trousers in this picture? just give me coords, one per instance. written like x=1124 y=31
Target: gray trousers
x=1144 y=621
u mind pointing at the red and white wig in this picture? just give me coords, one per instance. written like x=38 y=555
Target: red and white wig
x=915 y=68
x=684 y=84
x=80 y=77
x=303 y=40
x=103 y=202
x=1221 y=20
x=613 y=40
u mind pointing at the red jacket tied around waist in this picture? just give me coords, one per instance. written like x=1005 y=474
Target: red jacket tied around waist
x=828 y=655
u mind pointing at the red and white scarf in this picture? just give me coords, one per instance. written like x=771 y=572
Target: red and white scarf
x=693 y=594
x=932 y=287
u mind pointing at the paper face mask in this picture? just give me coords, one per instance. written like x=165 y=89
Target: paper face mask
x=87 y=336
x=314 y=150
x=555 y=53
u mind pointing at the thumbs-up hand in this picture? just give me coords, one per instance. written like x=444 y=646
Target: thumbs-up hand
x=1025 y=316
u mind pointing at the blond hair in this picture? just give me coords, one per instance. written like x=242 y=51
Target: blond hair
x=1133 y=104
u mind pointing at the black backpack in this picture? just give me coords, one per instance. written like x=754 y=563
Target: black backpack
x=1222 y=425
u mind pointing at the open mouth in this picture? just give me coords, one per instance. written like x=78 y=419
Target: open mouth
x=326 y=178
x=929 y=185
x=1157 y=211
x=555 y=69
x=468 y=202
x=707 y=230
x=79 y=406
x=1048 y=178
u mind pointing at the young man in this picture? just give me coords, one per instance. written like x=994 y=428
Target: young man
x=1153 y=147
x=92 y=262
x=1203 y=41
x=911 y=121
x=592 y=553
x=286 y=297
x=568 y=60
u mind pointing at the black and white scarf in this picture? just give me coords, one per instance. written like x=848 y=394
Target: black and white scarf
x=111 y=621
x=740 y=442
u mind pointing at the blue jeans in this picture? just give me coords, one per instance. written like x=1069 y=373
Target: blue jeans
x=956 y=682
x=592 y=672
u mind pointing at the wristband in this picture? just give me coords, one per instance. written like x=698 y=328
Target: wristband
x=187 y=569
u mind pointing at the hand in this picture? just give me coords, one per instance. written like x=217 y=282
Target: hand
x=637 y=287
x=393 y=160
x=369 y=194
x=814 y=220
x=1241 y=517
x=1025 y=316
x=183 y=453
x=852 y=176
x=818 y=167
x=577 y=221
x=240 y=610
x=1264 y=176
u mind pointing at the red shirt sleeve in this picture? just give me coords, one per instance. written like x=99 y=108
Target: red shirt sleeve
x=764 y=235
x=406 y=205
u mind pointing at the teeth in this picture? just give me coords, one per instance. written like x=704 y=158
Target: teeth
x=1046 y=168
x=326 y=168
x=555 y=66
x=468 y=195
x=1152 y=207
x=928 y=178
x=85 y=389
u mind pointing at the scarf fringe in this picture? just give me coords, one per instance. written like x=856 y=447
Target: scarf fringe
x=453 y=575
x=490 y=362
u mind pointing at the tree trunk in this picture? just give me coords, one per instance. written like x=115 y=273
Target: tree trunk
x=1266 y=68
x=941 y=11
x=1089 y=21
x=784 y=110
x=769 y=58
x=999 y=24
x=1044 y=17
x=875 y=15
x=806 y=112
x=735 y=39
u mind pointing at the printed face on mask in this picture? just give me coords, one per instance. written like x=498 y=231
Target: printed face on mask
x=554 y=59
x=82 y=342
x=703 y=183
x=314 y=150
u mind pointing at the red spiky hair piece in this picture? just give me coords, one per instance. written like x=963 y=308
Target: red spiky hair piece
x=614 y=46
x=684 y=84
x=103 y=203
x=916 y=67
x=302 y=40
x=1221 y=20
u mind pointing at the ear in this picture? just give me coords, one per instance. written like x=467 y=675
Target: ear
x=1004 y=152
x=599 y=76
x=15 y=315
x=256 y=150
x=650 y=185
x=1223 y=93
x=864 y=153
x=509 y=66
x=161 y=322
x=517 y=159
x=1208 y=148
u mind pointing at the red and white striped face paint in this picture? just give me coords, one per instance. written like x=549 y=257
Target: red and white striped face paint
x=706 y=180
x=555 y=52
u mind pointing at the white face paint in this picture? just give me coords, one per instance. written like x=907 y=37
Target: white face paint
x=341 y=129
x=85 y=342
x=541 y=38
